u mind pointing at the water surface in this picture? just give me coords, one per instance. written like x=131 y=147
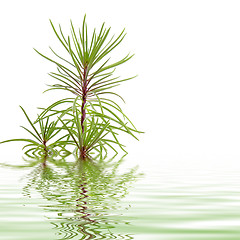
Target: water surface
x=92 y=201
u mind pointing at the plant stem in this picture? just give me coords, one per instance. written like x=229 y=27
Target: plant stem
x=83 y=110
x=83 y=155
x=84 y=98
x=45 y=154
x=45 y=146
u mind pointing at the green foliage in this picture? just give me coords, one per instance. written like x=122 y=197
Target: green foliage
x=86 y=66
x=47 y=131
x=90 y=121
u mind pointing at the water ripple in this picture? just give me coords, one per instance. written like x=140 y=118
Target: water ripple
x=89 y=201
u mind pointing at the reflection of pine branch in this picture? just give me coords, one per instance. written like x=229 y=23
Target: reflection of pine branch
x=33 y=176
x=65 y=230
x=84 y=192
x=82 y=201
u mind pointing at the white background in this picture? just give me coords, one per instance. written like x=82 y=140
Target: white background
x=187 y=57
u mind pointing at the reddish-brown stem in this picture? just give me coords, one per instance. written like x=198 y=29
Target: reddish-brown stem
x=45 y=145
x=84 y=98
x=83 y=154
x=44 y=163
x=83 y=110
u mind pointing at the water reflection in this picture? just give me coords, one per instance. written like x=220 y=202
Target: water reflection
x=84 y=200
x=83 y=196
